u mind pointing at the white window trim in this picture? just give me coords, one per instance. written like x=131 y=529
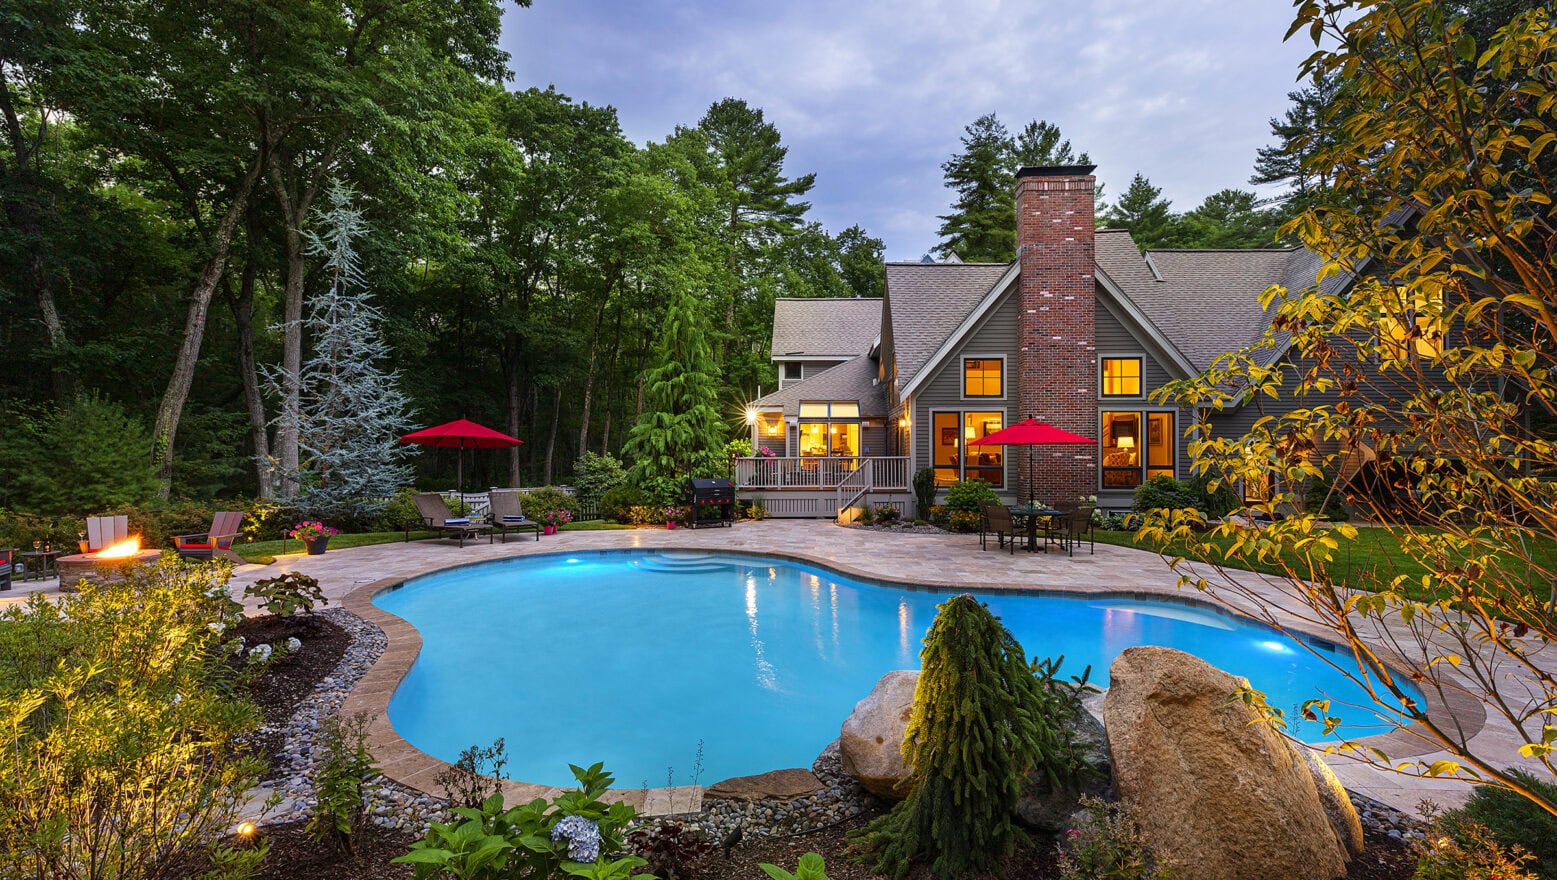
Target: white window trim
x=1120 y=356
x=962 y=377
x=1178 y=417
x=962 y=416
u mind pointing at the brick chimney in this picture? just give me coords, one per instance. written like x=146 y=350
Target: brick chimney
x=1058 y=379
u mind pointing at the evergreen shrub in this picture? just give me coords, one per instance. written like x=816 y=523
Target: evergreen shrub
x=924 y=492
x=1164 y=492
x=981 y=722
x=87 y=456
x=537 y=501
x=1516 y=820
x=617 y=502
x=968 y=495
x=595 y=474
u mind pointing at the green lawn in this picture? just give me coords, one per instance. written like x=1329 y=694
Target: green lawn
x=265 y=552
x=1374 y=556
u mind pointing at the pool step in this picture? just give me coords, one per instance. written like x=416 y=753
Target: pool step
x=681 y=563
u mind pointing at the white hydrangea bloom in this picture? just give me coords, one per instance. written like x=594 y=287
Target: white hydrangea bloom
x=294 y=644
x=218 y=627
x=259 y=653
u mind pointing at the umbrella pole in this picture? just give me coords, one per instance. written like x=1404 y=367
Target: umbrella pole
x=459 y=471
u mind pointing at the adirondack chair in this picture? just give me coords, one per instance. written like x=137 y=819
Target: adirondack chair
x=7 y=562
x=105 y=530
x=225 y=526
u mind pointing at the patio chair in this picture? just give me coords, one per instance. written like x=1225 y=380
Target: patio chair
x=105 y=530
x=997 y=520
x=436 y=516
x=225 y=526
x=1075 y=527
x=7 y=562
x=507 y=515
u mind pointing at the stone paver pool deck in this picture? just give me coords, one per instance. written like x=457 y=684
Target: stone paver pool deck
x=350 y=577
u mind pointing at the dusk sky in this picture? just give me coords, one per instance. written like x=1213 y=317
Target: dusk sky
x=874 y=96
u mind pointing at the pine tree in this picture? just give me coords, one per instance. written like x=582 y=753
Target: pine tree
x=1144 y=212
x=680 y=428
x=1040 y=143
x=351 y=412
x=1232 y=218
x=1298 y=135
x=981 y=722
x=982 y=224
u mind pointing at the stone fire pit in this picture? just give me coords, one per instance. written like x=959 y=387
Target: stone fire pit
x=99 y=569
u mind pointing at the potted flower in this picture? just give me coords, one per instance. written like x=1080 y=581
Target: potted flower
x=314 y=535
x=552 y=520
x=674 y=515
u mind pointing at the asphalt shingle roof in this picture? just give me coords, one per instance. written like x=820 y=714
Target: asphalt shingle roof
x=929 y=300
x=851 y=380
x=825 y=327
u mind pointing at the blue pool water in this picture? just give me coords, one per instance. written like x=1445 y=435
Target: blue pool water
x=634 y=658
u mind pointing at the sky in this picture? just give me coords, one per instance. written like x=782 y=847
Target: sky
x=873 y=96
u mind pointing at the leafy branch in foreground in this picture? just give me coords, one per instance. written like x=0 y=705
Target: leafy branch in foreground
x=1424 y=387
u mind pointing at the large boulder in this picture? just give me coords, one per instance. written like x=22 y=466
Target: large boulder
x=1047 y=807
x=871 y=743
x=1338 y=805
x=1218 y=795
x=781 y=784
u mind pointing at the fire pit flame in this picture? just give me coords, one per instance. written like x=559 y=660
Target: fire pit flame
x=128 y=547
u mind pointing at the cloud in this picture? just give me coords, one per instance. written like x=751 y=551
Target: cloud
x=873 y=96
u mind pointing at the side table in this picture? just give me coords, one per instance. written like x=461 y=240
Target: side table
x=45 y=561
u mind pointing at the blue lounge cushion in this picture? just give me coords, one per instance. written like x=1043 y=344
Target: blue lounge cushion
x=457 y=521
x=508 y=517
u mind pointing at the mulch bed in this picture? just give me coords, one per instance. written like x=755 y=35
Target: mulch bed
x=290 y=679
x=294 y=853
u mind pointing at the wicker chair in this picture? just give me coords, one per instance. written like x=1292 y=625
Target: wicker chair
x=996 y=520
x=1076 y=526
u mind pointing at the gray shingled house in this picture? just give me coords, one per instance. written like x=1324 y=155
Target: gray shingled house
x=1077 y=331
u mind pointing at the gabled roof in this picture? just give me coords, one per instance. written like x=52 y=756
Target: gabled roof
x=929 y=302
x=852 y=380
x=824 y=327
x=1205 y=301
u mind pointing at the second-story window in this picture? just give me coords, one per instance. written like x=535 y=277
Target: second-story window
x=1121 y=377
x=983 y=377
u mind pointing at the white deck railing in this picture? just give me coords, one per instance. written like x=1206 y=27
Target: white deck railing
x=822 y=473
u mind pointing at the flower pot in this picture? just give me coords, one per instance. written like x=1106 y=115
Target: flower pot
x=548 y=530
x=670 y=524
x=316 y=546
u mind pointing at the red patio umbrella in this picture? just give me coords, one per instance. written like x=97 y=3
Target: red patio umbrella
x=461 y=434
x=1029 y=432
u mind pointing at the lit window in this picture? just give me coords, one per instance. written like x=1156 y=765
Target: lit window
x=1121 y=377
x=1131 y=456
x=982 y=377
x=812 y=410
x=1419 y=330
x=953 y=455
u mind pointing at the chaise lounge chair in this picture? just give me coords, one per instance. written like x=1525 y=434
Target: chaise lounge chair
x=436 y=516
x=225 y=526
x=507 y=515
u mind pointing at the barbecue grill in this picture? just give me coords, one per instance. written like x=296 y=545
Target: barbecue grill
x=704 y=495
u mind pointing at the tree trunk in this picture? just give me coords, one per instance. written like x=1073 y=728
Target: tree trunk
x=511 y=371
x=294 y=205
x=172 y=406
x=23 y=215
x=589 y=375
x=551 y=438
x=611 y=390
x=242 y=306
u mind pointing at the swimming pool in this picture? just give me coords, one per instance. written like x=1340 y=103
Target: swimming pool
x=675 y=667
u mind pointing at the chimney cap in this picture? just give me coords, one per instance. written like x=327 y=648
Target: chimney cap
x=1055 y=170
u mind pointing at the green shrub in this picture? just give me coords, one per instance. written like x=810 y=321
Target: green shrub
x=85 y=457
x=539 y=840
x=924 y=491
x=982 y=720
x=341 y=780
x=1107 y=845
x=964 y=521
x=1164 y=492
x=148 y=763
x=867 y=516
x=400 y=513
x=1458 y=848
x=615 y=503
x=1515 y=820
x=644 y=514
x=968 y=495
x=476 y=776
x=887 y=514
x=287 y=593
x=1319 y=500
x=595 y=474
x=537 y=501
x=1215 y=504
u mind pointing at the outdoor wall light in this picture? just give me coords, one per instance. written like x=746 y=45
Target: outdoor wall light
x=751 y=417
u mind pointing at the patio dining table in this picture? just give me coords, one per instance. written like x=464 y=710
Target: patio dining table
x=1032 y=513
